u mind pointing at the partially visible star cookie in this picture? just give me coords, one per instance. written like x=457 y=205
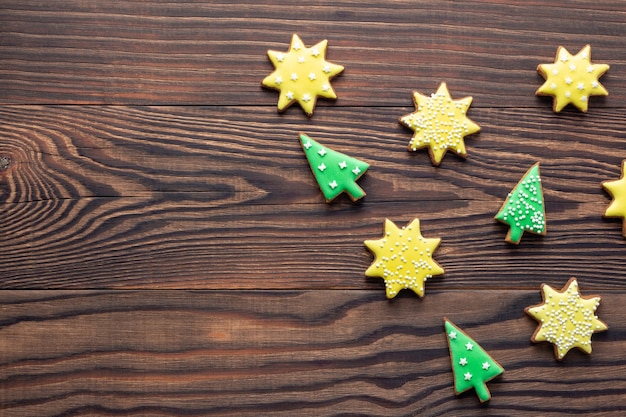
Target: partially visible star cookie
x=301 y=75
x=440 y=123
x=617 y=190
x=572 y=79
x=403 y=258
x=566 y=318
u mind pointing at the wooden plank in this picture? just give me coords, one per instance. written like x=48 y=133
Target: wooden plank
x=315 y=353
x=207 y=197
x=210 y=53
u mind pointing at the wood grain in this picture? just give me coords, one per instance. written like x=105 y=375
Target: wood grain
x=204 y=197
x=165 y=250
x=210 y=53
x=318 y=353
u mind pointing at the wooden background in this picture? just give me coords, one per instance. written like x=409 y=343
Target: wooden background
x=165 y=250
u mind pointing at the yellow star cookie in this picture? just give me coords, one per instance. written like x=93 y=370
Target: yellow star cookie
x=301 y=75
x=617 y=190
x=439 y=123
x=572 y=79
x=566 y=319
x=403 y=258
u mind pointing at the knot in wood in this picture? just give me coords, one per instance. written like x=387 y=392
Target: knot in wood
x=5 y=162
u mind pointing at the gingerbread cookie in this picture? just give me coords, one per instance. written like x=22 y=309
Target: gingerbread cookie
x=403 y=258
x=301 y=75
x=524 y=210
x=572 y=79
x=335 y=172
x=440 y=123
x=617 y=190
x=472 y=366
x=566 y=319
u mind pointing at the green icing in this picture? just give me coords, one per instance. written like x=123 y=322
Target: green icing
x=524 y=209
x=471 y=365
x=334 y=171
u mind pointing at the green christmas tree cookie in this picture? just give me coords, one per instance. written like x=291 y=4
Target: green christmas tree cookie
x=471 y=365
x=523 y=210
x=334 y=171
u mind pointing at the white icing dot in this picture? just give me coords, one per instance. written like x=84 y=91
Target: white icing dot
x=356 y=171
x=280 y=57
x=581 y=86
x=572 y=67
x=325 y=87
x=322 y=152
x=555 y=72
x=312 y=76
x=326 y=69
x=306 y=97
x=467 y=376
x=343 y=165
x=590 y=69
x=315 y=52
x=463 y=361
x=289 y=95
x=553 y=86
x=595 y=84
x=307 y=145
x=486 y=366
x=294 y=76
x=452 y=335
x=568 y=94
x=568 y=81
x=321 y=167
x=333 y=184
x=469 y=346
x=301 y=60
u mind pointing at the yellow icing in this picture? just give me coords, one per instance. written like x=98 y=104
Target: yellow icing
x=572 y=79
x=566 y=319
x=617 y=190
x=403 y=258
x=301 y=75
x=440 y=123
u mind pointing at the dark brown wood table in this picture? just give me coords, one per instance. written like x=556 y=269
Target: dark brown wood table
x=165 y=250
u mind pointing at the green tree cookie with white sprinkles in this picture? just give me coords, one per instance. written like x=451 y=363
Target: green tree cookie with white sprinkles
x=335 y=172
x=472 y=366
x=524 y=210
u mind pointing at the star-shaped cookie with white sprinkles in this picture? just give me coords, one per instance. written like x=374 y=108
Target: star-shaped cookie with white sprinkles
x=566 y=318
x=572 y=79
x=440 y=123
x=403 y=258
x=302 y=75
